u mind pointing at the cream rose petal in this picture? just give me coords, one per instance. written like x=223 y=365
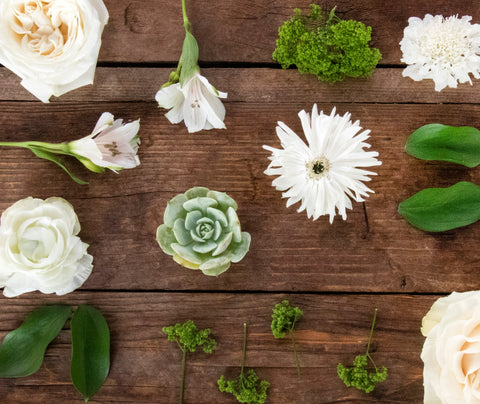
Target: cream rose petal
x=40 y=250
x=52 y=45
x=451 y=353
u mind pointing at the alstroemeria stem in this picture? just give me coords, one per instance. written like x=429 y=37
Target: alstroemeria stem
x=186 y=23
x=57 y=148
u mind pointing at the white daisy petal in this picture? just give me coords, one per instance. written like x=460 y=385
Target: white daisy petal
x=328 y=173
x=446 y=50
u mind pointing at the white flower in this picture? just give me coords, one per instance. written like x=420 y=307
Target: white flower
x=325 y=174
x=52 y=45
x=40 y=250
x=445 y=50
x=451 y=353
x=196 y=102
x=112 y=144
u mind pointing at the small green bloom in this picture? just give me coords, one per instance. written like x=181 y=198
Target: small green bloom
x=201 y=230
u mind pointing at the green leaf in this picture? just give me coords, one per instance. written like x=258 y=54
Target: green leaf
x=459 y=145
x=90 y=350
x=441 y=209
x=22 y=350
x=189 y=58
x=43 y=154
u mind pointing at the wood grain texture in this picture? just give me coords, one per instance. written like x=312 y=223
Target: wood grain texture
x=373 y=250
x=246 y=31
x=336 y=273
x=145 y=366
x=254 y=85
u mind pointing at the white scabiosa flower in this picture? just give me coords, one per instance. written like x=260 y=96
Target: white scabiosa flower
x=328 y=172
x=112 y=144
x=196 y=102
x=446 y=50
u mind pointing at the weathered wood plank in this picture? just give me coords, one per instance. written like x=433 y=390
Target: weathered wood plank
x=258 y=85
x=145 y=366
x=120 y=213
x=246 y=31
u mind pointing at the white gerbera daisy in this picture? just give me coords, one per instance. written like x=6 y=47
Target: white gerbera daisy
x=325 y=174
x=445 y=50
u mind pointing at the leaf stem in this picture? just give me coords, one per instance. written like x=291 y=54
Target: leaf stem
x=57 y=148
x=182 y=380
x=244 y=353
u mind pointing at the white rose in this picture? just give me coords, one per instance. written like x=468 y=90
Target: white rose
x=40 y=250
x=451 y=353
x=52 y=45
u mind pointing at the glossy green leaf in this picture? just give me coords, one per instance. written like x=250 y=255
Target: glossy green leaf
x=90 y=350
x=441 y=209
x=22 y=350
x=459 y=145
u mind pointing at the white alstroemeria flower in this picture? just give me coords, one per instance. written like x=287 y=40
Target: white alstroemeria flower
x=40 y=249
x=196 y=102
x=451 y=352
x=52 y=45
x=446 y=50
x=328 y=172
x=112 y=144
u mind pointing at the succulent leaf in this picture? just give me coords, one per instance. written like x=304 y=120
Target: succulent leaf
x=202 y=231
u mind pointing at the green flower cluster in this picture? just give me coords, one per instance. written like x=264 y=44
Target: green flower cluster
x=201 y=230
x=326 y=46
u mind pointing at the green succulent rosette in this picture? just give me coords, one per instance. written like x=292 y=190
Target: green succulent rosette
x=201 y=230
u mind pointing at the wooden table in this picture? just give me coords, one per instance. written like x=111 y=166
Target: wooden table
x=336 y=273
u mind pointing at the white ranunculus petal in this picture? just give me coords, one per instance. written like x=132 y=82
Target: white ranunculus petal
x=451 y=353
x=53 y=47
x=39 y=248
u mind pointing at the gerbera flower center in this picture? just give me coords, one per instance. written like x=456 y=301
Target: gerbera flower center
x=317 y=168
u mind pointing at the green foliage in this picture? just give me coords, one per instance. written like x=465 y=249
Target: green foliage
x=284 y=318
x=358 y=375
x=326 y=46
x=90 y=350
x=442 y=209
x=22 y=350
x=459 y=145
x=188 y=337
x=248 y=388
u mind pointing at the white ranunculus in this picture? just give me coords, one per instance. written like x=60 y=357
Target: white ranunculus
x=196 y=102
x=451 y=353
x=40 y=250
x=52 y=45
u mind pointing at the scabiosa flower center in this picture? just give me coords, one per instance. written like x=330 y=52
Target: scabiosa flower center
x=317 y=168
x=447 y=43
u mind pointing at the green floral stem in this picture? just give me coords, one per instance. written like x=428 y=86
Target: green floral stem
x=182 y=380
x=57 y=148
x=244 y=353
x=186 y=22
x=295 y=355
x=370 y=337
